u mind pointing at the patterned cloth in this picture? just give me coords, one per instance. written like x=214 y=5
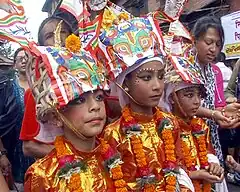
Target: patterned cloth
x=68 y=76
x=209 y=102
x=44 y=174
x=129 y=44
x=20 y=162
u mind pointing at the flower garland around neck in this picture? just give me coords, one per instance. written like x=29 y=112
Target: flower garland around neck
x=201 y=146
x=112 y=163
x=133 y=130
x=69 y=168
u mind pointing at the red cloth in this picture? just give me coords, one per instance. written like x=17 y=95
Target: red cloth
x=30 y=126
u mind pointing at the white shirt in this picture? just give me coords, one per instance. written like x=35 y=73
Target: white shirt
x=226 y=73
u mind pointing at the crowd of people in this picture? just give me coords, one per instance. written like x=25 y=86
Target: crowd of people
x=130 y=116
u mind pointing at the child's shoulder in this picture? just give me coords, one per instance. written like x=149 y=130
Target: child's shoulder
x=41 y=167
x=112 y=131
x=167 y=114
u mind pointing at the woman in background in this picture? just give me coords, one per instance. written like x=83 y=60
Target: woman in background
x=209 y=39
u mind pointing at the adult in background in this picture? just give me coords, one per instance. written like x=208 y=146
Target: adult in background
x=35 y=142
x=209 y=39
x=8 y=119
x=20 y=84
x=232 y=92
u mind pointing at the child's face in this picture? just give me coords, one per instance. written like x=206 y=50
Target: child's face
x=87 y=113
x=189 y=99
x=146 y=83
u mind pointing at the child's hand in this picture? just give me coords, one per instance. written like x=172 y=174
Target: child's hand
x=232 y=164
x=215 y=169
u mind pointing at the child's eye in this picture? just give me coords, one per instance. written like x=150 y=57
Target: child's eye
x=161 y=76
x=100 y=97
x=190 y=95
x=146 y=78
x=80 y=100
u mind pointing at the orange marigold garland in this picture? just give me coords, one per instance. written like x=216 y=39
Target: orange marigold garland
x=165 y=130
x=200 y=136
x=67 y=164
x=113 y=163
x=133 y=129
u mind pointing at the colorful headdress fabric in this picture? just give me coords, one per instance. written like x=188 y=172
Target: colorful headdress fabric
x=58 y=76
x=180 y=74
x=181 y=69
x=129 y=43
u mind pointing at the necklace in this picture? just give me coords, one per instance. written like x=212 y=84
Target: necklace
x=165 y=128
x=199 y=135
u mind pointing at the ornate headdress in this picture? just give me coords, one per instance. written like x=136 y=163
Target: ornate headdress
x=57 y=76
x=130 y=43
x=180 y=74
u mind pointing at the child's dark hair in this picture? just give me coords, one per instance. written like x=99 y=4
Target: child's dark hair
x=45 y=21
x=16 y=54
x=204 y=23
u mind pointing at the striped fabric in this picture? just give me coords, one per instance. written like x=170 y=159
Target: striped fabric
x=13 y=22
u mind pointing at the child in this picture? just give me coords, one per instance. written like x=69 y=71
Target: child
x=146 y=137
x=183 y=93
x=68 y=90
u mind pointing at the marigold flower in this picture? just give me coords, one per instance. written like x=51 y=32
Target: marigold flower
x=73 y=43
x=149 y=188
x=123 y=189
x=108 y=19
x=170 y=188
x=137 y=146
x=170 y=152
x=171 y=158
x=75 y=182
x=169 y=147
x=123 y=16
x=120 y=183
x=171 y=180
x=140 y=155
x=117 y=172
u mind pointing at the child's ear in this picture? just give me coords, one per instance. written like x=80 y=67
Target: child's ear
x=54 y=119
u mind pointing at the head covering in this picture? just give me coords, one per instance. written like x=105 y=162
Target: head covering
x=180 y=74
x=57 y=76
x=129 y=43
x=116 y=91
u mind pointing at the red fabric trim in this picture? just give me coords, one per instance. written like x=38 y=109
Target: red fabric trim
x=30 y=126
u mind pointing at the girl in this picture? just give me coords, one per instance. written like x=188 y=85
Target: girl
x=184 y=90
x=146 y=137
x=68 y=90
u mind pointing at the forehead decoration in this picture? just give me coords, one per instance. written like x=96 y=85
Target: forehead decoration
x=68 y=75
x=130 y=43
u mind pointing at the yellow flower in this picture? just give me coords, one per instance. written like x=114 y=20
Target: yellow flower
x=108 y=19
x=123 y=16
x=73 y=43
